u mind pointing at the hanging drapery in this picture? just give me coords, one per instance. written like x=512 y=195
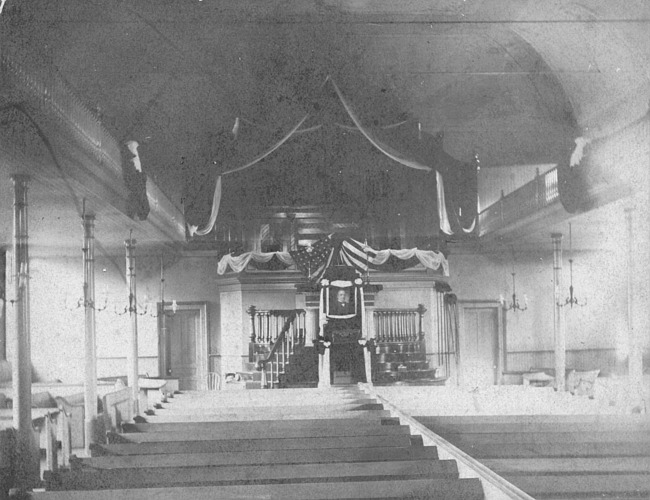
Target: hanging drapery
x=384 y=148
x=216 y=202
x=362 y=257
x=315 y=260
x=445 y=227
x=239 y=263
x=216 y=199
x=455 y=192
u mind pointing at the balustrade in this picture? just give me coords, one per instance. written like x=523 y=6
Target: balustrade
x=541 y=192
x=275 y=334
x=399 y=325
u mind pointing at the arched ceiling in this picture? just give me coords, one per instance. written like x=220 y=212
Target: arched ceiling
x=513 y=80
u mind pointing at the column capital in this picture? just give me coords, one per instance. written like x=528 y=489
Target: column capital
x=21 y=178
x=556 y=236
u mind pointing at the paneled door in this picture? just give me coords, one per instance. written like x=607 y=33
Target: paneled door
x=182 y=329
x=183 y=346
x=480 y=359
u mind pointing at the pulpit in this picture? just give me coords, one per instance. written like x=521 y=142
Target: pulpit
x=341 y=324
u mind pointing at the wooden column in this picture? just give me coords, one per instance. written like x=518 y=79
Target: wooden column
x=324 y=380
x=132 y=354
x=635 y=359
x=26 y=460
x=3 y=307
x=90 y=345
x=558 y=315
x=163 y=349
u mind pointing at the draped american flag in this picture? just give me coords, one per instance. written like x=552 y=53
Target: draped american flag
x=357 y=254
x=313 y=260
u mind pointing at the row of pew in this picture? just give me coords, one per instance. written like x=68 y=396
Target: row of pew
x=558 y=456
x=289 y=444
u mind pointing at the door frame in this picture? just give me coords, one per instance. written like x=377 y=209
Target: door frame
x=201 y=340
x=501 y=343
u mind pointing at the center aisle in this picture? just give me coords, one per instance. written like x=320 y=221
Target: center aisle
x=287 y=444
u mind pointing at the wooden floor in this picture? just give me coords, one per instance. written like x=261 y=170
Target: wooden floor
x=558 y=456
x=293 y=444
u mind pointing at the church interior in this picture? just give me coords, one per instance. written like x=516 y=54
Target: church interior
x=225 y=225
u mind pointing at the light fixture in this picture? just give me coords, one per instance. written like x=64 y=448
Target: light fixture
x=514 y=305
x=571 y=300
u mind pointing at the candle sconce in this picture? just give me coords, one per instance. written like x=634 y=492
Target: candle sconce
x=572 y=299
x=514 y=305
x=82 y=304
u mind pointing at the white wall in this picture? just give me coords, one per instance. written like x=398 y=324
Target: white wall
x=599 y=278
x=57 y=324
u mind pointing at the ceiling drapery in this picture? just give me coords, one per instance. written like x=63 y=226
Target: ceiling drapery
x=462 y=199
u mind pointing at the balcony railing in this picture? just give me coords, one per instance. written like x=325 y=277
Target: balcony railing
x=541 y=192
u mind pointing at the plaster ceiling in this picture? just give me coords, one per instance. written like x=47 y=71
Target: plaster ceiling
x=512 y=80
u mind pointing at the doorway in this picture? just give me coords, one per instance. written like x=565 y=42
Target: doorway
x=183 y=345
x=480 y=343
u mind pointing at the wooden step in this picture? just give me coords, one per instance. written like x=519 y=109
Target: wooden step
x=86 y=479
x=275 y=414
x=228 y=445
x=258 y=457
x=416 y=489
x=239 y=430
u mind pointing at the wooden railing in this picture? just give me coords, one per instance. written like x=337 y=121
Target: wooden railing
x=274 y=337
x=399 y=325
x=541 y=192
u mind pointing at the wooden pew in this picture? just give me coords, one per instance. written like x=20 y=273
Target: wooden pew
x=249 y=444
x=261 y=426
x=234 y=430
x=558 y=456
x=257 y=457
x=252 y=474
x=417 y=489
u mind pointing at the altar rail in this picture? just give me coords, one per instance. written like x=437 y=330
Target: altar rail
x=399 y=325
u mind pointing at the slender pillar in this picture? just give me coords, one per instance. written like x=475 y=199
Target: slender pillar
x=324 y=380
x=163 y=350
x=3 y=307
x=27 y=461
x=558 y=324
x=132 y=355
x=635 y=360
x=90 y=344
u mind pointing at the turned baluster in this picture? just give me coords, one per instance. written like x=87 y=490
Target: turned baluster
x=421 y=310
x=251 y=311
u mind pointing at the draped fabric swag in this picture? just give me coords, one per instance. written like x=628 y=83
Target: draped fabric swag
x=457 y=213
x=349 y=251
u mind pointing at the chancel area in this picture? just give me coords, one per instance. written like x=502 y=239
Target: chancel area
x=324 y=249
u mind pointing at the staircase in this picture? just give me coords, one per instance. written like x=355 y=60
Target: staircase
x=285 y=444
